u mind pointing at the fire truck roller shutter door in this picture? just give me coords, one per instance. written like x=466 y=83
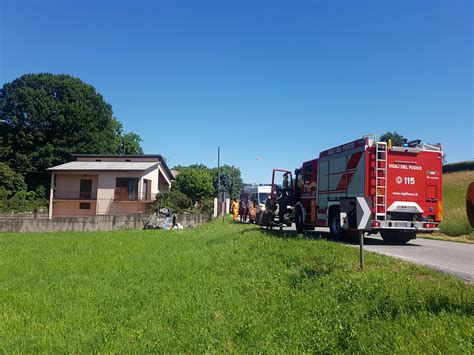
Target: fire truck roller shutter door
x=356 y=185
x=323 y=181
x=337 y=171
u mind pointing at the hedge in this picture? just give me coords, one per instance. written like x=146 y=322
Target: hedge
x=460 y=166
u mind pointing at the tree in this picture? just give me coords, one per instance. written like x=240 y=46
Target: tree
x=10 y=180
x=130 y=142
x=397 y=139
x=44 y=118
x=231 y=180
x=192 y=166
x=195 y=183
x=445 y=159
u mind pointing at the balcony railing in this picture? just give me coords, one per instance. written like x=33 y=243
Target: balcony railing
x=119 y=195
x=122 y=194
x=74 y=195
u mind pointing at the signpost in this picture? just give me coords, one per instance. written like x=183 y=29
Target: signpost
x=356 y=214
x=363 y=223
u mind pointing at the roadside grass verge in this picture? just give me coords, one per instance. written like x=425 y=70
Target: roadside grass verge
x=455 y=221
x=221 y=287
x=468 y=239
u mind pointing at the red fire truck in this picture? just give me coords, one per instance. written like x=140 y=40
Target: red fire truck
x=402 y=183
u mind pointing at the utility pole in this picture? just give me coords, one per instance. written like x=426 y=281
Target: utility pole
x=218 y=171
x=219 y=178
x=122 y=148
x=232 y=190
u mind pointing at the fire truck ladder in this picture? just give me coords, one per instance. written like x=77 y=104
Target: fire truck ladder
x=380 y=181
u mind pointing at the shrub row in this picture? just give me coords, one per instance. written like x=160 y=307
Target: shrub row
x=21 y=201
x=460 y=166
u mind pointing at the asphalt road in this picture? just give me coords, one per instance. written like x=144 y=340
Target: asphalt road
x=453 y=258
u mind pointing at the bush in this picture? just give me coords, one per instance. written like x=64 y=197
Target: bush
x=460 y=166
x=207 y=206
x=175 y=200
x=195 y=183
x=10 y=180
x=21 y=201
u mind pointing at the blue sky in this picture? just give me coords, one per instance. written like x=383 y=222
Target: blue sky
x=278 y=80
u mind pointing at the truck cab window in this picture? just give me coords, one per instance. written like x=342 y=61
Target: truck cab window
x=307 y=174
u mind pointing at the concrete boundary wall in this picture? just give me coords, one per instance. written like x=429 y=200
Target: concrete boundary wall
x=90 y=224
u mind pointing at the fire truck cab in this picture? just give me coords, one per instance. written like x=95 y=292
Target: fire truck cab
x=403 y=184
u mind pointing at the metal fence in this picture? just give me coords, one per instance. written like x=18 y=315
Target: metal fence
x=118 y=195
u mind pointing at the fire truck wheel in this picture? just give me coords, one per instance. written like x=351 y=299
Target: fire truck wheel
x=299 y=219
x=397 y=237
x=335 y=225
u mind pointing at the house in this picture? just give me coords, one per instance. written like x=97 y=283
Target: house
x=107 y=184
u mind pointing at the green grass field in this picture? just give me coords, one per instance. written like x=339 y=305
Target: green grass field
x=455 y=221
x=221 y=287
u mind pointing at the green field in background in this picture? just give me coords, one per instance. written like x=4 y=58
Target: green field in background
x=455 y=221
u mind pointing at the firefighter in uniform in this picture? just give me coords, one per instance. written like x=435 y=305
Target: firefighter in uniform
x=284 y=199
x=235 y=209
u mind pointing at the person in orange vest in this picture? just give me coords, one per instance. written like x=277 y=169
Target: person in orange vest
x=252 y=212
x=235 y=209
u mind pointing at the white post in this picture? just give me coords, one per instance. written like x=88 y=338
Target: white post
x=215 y=207
x=51 y=193
x=227 y=205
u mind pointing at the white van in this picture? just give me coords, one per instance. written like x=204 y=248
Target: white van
x=259 y=195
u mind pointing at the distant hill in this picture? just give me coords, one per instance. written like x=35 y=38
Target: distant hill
x=455 y=185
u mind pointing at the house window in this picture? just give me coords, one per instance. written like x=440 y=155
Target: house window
x=85 y=189
x=126 y=189
x=85 y=206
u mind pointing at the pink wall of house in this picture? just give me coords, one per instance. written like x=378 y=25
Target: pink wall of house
x=68 y=184
x=73 y=208
x=107 y=181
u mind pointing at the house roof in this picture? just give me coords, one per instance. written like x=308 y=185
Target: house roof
x=174 y=172
x=106 y=165
x=159 y=157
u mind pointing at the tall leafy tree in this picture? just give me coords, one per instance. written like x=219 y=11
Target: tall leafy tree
x=44 y=118
x=397 y=139
x=128 y=142
x=230 y=180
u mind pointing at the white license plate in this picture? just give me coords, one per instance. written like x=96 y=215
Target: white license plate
x=401 y=224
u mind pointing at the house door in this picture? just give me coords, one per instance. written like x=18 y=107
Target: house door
x=147 y=189
x=85 y=190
